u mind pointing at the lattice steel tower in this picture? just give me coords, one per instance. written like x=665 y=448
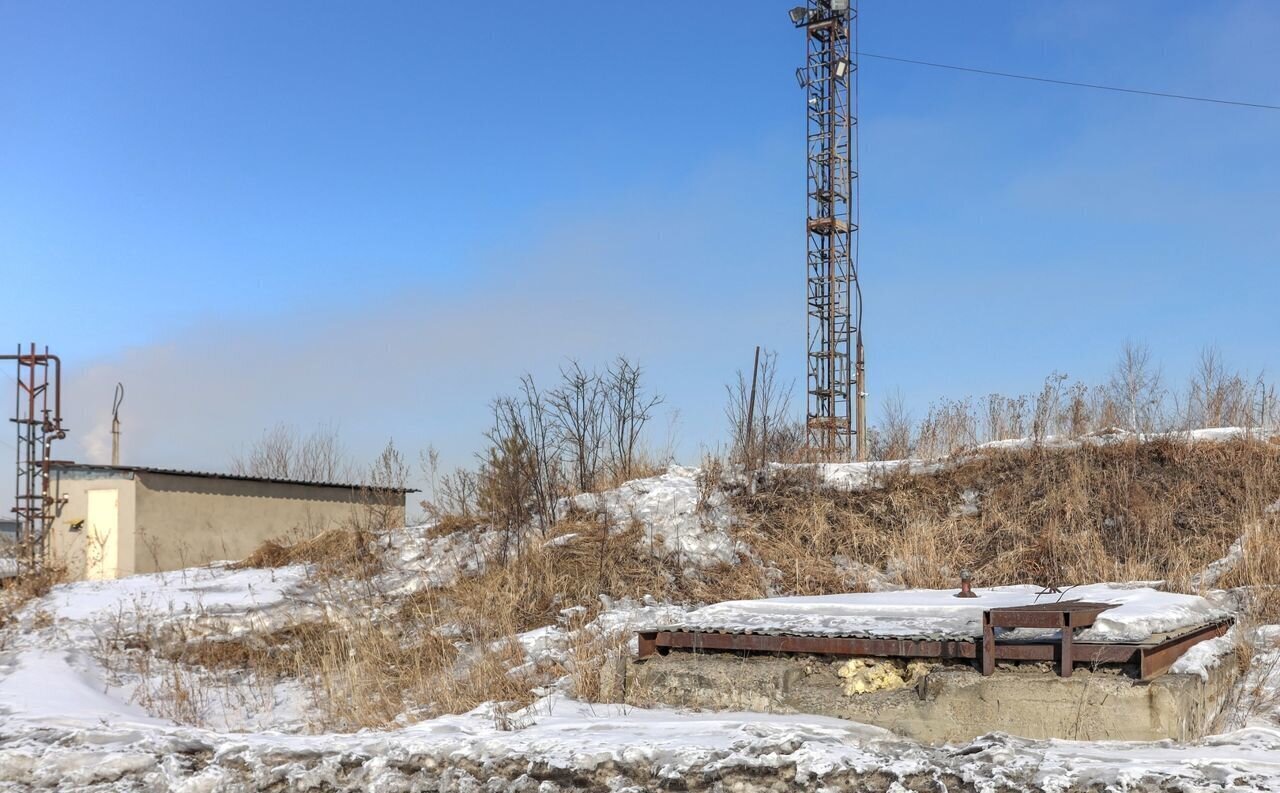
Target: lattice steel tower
x=836 y=417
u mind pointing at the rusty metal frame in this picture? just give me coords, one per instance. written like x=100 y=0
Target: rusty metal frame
x=38 y=423
x=1152 y=660
x=1064 y=616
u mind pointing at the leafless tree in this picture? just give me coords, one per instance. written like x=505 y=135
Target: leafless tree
x=283 y=452
x=579 y=411
x=769 y=437
x=548 y=483
x=1136 y=387
x=630 y=408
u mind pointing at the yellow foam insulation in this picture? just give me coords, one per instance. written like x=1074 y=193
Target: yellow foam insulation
x=865 y=675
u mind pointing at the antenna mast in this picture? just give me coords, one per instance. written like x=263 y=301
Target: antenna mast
x=836 y=399
x=115 y=424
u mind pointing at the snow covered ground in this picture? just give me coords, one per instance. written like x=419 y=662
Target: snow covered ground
x=73 y=720
x=69 y=725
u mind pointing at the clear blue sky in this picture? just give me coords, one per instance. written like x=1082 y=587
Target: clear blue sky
x=379 y=214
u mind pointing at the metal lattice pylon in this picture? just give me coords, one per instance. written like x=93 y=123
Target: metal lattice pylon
x=835 y=416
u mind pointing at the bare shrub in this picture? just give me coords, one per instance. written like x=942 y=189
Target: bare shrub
x=772 y=434
x=27 y=586
x=452 y=494
x=630 y=409
x=1047 y=413
x=579 y=409
x=1218 y=397
x=892 y=438
x=382 y=492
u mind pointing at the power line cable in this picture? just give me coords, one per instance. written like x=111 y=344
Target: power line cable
x=1095 y=86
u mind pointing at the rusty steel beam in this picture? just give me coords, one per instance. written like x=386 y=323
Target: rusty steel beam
x=807 y=645
x=1151 y=660
x=1155 y=661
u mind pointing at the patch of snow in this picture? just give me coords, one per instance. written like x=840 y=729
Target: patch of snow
x=1139 y=612
x=415 y=560
x=1207 y=655
x=673 y=515
x=1215 y=570
x=853 y=477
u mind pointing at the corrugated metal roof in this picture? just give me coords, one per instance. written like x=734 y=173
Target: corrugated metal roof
x=140 y=469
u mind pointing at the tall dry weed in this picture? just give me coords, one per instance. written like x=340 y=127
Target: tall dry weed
x=1154 y=510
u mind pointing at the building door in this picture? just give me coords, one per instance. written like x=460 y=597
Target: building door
x=102 y=535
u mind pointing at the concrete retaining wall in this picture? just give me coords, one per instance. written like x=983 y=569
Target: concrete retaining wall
x=948 y=704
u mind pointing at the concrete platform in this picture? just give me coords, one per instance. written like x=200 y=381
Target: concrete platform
x=951 y=701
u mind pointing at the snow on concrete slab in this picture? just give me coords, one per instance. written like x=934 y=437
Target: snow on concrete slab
x=1139 y=612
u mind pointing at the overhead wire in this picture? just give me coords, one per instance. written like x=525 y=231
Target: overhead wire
x=1073 y=83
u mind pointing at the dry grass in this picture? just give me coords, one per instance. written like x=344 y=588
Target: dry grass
x=449 y=649
x=1132 y=511
x=337 y=551
x=532 y=588
x=22 y=589
x=450 y=524
x=1258 y=572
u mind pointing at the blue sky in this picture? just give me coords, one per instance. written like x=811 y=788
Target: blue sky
x=378 y=215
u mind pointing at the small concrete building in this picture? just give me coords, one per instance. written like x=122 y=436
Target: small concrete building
x=116 y=521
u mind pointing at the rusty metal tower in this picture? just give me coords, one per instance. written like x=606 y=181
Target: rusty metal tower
x=836 y=413
x=38 y=419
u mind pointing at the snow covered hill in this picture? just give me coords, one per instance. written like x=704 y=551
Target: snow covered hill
x=74 y=716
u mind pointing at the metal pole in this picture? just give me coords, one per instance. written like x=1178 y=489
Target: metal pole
x=751 y=410
x=115 y=424
x=860 y=407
